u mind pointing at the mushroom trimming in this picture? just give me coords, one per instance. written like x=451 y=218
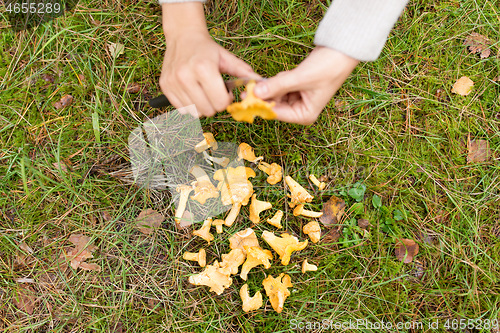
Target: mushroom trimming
x=207 y=142
x=235 y=189
x=204 y=189
x=200 y=257
x=299 y=195
x=320 y=185
x=256 y=207
x=273 y=171
x=277 y=290
x=250 y=303
x=245 y=151
x=213 y=276
x=184 y=190
x=255 y=257
x=313 y=230
x=299 y=210
x=284 y=245
x=204 y=231
x=306 y=267
x=276 y=219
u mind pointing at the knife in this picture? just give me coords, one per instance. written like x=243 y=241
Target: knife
x=162 y=100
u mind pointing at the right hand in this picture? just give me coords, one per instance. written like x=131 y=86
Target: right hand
x=191 y=72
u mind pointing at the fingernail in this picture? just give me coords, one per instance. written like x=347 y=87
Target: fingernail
x=261 y=89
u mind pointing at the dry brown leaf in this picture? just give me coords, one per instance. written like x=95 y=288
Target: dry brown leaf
x=463 y=86
x=80 y=252
x=48 y=78
x=406 y=249
x=64 y=167
x=106 y=216
x=133 y=88
x=65 y=101
x=24 y=299
x=478 y=44
x=363 y=223
x=148 y=220
x=115 y=49
x=478 y=151
x=332 y=210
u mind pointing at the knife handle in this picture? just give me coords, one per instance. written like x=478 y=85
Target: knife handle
x=159 y=102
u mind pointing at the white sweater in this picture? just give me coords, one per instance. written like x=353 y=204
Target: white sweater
x=357 y=28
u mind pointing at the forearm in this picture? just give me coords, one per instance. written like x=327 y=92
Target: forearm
x=183 y=18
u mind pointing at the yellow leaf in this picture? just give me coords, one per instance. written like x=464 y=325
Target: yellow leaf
x=463 y=86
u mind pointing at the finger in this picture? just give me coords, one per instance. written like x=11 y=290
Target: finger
x=278 y=86
x=296 y=113
x=213 y=85
x=191 y=92
x=232 y=65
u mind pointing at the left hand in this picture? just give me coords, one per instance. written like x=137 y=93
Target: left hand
x=302 y=93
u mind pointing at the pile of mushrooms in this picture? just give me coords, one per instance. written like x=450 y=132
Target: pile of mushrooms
x=234 y=188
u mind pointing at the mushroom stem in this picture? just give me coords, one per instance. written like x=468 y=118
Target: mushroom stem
x=320 y=185
x=306 y=267
x=199 y=257
x=231 y=217
x=184 y=190
x=223 y=161
x=299 y=210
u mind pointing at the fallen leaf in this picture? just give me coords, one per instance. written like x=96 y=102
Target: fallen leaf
x=116 y=49
x=478 y=43
x=363 y=223
x=331 y=236
x=116 y=327
x=148 y=220
x=133 y=88
x=332 y=210
x=64 y=167
x=24 y=299
x=186 y=220
x=463 y=86
x=65 y=101
x=406 y=249
x=80 y=253
x=48 y=78
x=478 y=150
x=106 y=216
x=81 y=77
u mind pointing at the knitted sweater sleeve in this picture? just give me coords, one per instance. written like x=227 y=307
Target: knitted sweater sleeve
x=358 y=28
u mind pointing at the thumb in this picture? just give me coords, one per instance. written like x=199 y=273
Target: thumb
x=232 y=65
x=277 y=86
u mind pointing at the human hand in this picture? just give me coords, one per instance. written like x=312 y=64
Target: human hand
x=302 y=93
x=193 y=62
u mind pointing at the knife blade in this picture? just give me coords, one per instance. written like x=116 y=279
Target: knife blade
x=162 y=100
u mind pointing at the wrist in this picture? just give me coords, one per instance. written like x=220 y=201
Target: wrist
x=180 y=19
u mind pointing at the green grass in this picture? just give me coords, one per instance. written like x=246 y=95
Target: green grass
x=397 y=128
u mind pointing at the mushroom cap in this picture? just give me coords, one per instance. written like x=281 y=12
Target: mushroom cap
x=298 y=193
x=213 y=276
x=232 y=260
x=284 y=245
x=218 y=224
x=277 y=290
x=245 y=151
x=256 y=207
x=204 y=231
x=276 y=219
x=255 y=257
x=243 y=238
x=251 y=106
x=250 y=303
x=313 y=230
x=234 y=185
